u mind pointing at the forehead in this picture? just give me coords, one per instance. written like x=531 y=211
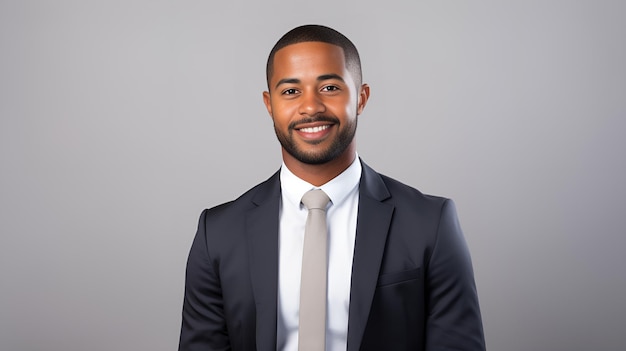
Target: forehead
x=308 y=58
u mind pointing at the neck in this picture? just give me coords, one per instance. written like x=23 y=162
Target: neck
x=321 y=174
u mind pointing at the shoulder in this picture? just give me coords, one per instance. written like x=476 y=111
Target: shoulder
x=410 y=201
x=423 y=221
x=407 y=192
x=399 y=194
x=257 y=195
x=413 y=210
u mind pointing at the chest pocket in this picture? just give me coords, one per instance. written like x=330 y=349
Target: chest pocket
x=398 y=277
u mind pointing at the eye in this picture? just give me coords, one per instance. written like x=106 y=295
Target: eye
x=290 y=91
x=330 y=88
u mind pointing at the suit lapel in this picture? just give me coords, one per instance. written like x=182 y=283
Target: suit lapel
x=262 y=239
x=374 y=218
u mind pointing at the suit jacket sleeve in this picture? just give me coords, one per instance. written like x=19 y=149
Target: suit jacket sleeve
x=203 y=324
x=453 y=315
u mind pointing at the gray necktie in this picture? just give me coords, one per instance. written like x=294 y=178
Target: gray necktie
x=312 y=324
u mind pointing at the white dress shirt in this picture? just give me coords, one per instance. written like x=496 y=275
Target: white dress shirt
x=341 y=216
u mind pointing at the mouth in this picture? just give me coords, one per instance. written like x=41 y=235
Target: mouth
x=314 y=129
x=314 y=132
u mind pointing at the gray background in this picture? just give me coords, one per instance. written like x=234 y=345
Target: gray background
x=121 y=120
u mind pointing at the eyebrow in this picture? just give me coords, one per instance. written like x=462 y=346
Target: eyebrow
x=321 y=78
x=329 y=77
x=287 y=81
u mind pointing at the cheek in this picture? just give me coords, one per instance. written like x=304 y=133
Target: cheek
x=281 y=114
x=352 y=103
x=349 y=107
x=283 y=108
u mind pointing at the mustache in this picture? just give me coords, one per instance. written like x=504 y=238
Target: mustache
x=318 y=118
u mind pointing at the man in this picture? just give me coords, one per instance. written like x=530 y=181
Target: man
x=399 y=275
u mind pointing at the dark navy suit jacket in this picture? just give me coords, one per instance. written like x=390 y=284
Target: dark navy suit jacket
x=412 y=281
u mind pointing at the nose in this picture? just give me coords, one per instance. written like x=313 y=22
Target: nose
x=311 y=104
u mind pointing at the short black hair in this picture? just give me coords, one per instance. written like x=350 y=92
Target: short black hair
x=314 y=32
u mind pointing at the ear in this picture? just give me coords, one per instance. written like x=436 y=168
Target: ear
x=267 y=100
x=364 y=95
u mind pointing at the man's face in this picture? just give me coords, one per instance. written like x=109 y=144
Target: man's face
x=313 y=102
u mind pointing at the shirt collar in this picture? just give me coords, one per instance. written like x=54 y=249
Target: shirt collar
x=337 y=189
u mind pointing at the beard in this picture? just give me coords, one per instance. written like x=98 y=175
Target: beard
x=334 y=150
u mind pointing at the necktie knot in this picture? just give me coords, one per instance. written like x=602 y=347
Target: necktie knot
x=315 y=199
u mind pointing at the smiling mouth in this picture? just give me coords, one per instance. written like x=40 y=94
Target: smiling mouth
x=314 y=129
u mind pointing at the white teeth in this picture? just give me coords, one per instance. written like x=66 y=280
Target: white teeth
x=314 y=129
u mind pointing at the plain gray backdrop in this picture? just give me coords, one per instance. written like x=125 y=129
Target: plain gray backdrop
x=121 y=120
